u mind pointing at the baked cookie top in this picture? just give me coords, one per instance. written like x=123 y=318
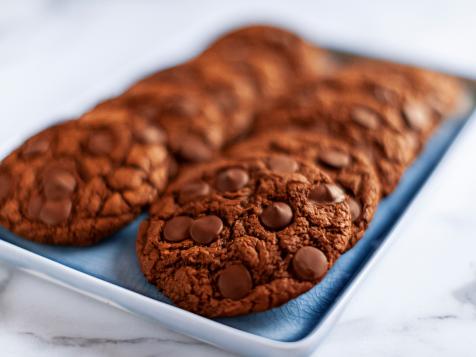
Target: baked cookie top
x=241 y=235
x=80 y=181
x=438 y=93
x=347 y=166
x=362 y=123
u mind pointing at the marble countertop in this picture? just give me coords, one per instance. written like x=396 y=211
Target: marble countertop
x=59 y=57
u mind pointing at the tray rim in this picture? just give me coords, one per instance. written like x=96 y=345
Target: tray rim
x=202 y=328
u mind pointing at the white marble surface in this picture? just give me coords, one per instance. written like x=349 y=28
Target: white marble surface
x=58 y=57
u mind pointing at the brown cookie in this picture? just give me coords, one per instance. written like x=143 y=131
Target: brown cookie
x=346 y=165
x=234 y=94
x=438 y=95
x=361 y=123
x=193 y=124
x=80 y=181
x=300 y=57
x=238 y=236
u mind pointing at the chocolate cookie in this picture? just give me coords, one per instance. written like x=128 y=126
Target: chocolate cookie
x=193 y=124
x=347 y=166
x=301 y=58
x=360 y=123
x=239 y=236
x=80 y=181
x=437 y=94
x=234 y=94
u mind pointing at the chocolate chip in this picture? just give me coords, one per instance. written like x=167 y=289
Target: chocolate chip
x=193 y=190
x=232 y=179
x=277 y=216
x=417 y=115
x=282 y=164
x=310 y=263
x=148 y=134
x=55 y=212
x=36 y=146
x=100 y=142
x=177 y=229
x=5 y=186
x=206 y=229
x=234 y=282
x=335 y=159
x=325 y=193
x=355 y=208
x=365 y=117
x=34 y=207
x=58 y=183
x=194 y=149
x=181 y=106
x=385 y=95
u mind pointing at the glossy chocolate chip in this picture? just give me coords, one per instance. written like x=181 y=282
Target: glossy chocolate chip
x=55 y=212
x=417 y=115
x=34 y=207
x=36 y=146
x=232 y=179
x=335 y=159
x=177 y=229
x=355 y=208
x=148 y=134
x=234 y=282
x=326 y=193
x=5 y=186
x=385 y=95
x=100 y=142
x=282 y=164
x=205 y=230
x=277 y=216
x=310 y=263
x=365 y=117
x=193 y=190
x=58 y=183
x=194 y=150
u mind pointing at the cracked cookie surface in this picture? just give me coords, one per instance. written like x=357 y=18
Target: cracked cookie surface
x=240 y=235
x=82 y=180
x=347 y=166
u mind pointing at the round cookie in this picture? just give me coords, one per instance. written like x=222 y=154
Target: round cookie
x=193 y=123
x=236 y=236
x=347 y=166
x=302 y=59
x=360 y=123
x=234 y=94
x=438 y=94
x=78 y=182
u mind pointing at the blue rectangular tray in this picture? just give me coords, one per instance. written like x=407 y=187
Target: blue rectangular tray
x=114 y=260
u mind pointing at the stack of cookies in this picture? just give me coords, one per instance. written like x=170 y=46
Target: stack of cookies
x=260 y=162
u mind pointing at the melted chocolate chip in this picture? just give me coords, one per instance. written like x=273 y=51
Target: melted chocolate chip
x=277 y=216
x=55 y=212
x=34 y=207
x=355 y=208
x=335 y=159
x=58 y=183
x=365 y=117
x=282 y=164
x=100 y=142
x=177 y=229
x=5 y=186
x=232 y=179
x=234 y=282
x=417 y=115
x=205 y=230
x=194 y=150
x=149 y=134
x=193 y=190
x=326 y=193
x=310 y=263
x=36 y=146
